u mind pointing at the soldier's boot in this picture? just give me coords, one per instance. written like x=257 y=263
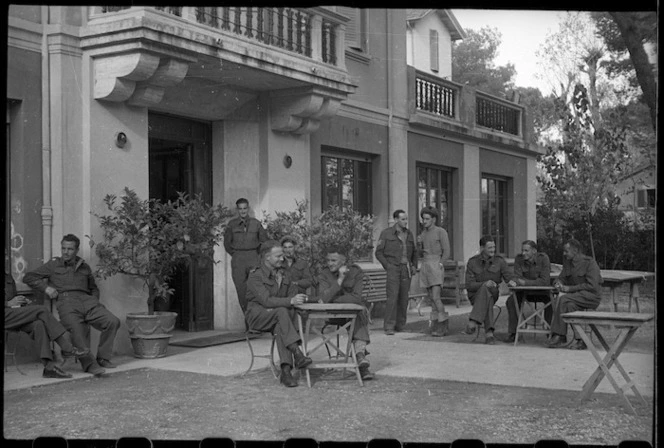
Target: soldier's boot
x=444 y=323
x=436 y=329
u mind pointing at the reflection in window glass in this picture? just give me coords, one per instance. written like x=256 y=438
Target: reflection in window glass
x=433 y=189
x=346 y=183
x=494 y=210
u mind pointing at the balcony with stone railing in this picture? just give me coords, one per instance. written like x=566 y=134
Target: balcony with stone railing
x=295 y=54
x=447 y=105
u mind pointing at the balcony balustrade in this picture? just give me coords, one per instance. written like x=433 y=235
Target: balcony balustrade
x=458 y=106
x=301 y=31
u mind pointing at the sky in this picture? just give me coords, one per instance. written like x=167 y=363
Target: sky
x=522 y=34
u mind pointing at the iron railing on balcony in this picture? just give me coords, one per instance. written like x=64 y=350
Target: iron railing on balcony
x=496 y=115
x=288 y=28
x=435 y=96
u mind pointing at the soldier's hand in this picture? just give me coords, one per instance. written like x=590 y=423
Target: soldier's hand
x=511 y=283
x=51 y=292
x=490 y=284
x=298 y=299
x=17 y=301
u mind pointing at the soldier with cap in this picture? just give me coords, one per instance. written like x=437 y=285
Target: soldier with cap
x=242 y=241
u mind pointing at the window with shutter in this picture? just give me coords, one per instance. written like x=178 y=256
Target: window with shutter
x=433 y=48
x=640 y=198
x=353 y=26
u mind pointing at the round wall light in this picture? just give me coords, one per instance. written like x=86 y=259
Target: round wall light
x=120 y=139
x=288 y=161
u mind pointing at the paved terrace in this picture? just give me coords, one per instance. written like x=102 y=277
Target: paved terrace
x=401 y=356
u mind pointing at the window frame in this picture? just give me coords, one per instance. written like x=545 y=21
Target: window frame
x=332 y=154
x=449 y=197
x=501 y=233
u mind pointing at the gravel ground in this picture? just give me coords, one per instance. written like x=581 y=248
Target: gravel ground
x=186 y=406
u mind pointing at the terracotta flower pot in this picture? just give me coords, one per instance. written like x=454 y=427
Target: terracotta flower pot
x=150 y=346
x=161 y=322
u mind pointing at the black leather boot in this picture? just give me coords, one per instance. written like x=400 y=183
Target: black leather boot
x=286 y=378
x=301 y=361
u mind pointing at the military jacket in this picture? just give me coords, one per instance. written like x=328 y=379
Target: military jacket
x=481 y=268
x=535 y=272
x=581 y=273
x=329 y=288
x=10 y=288
x=264 y=290
x=390 y=248
x=300 y=274
x=74 y=276
x=247 y=234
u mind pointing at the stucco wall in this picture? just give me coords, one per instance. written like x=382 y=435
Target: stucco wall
x=420 y=46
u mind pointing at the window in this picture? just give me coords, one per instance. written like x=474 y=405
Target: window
x=494 y=210
x=645 y=197
x=433 y=50
x=434 y=189
x=346 y=183
x=355 y=27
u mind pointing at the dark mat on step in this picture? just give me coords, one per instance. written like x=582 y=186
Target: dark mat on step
x=217 y=339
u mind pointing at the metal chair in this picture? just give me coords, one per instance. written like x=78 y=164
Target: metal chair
x=10 y=349
x=249 y=332
x=481 y=325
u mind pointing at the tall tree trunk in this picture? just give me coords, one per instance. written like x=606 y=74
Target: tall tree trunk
x=627 y=25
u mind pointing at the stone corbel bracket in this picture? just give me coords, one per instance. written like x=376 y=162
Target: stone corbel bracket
x=300 y=111
x=139 y=78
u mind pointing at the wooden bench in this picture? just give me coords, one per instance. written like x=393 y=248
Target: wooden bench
x=375 y=282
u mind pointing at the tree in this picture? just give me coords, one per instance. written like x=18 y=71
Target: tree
x=581 y=172
x=473 y=63
x=631 y=32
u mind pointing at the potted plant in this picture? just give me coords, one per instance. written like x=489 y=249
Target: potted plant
x=150 y=239
x=337 y=226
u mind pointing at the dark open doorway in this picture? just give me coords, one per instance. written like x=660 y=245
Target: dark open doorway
x=180 y=160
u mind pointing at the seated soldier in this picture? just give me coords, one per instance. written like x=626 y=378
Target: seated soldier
x=531 y=268
x=38 y=322
x=270 y=299
x=579 y=289
x=69 y=280
x=484 y=272
x=296 y=268
x=340 y=283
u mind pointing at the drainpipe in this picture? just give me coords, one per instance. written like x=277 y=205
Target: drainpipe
x=390 y=175
x=47 y=209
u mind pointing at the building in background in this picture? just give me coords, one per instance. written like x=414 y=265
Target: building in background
x=215 y=100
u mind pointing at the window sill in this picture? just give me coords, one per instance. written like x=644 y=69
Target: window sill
x=357 y=55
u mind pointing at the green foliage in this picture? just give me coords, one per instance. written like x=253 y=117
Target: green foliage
x=150 y=239
x=620 y=243
x=340 y=227
x=473 y=62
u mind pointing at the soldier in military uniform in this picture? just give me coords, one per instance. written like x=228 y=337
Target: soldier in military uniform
x=397 y=254
x=340 y=283
x=270 y=300
x=242 y=240
x=297 y=269
x=531 y=268
x=484 y=272
x=38 y=322
x=435 y=246
x=69 y=279
x=579 y=289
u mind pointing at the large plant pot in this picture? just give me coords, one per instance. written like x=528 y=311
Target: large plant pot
x=141 y=324
x=150 y=346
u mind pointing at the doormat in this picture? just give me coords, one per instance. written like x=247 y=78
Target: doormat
x=217 y=339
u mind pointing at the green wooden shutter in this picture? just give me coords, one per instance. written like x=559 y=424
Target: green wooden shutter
x=353 y=38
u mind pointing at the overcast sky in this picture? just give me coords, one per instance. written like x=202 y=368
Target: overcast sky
x=522 y=34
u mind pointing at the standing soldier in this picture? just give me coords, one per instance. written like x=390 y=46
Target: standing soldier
x=242 y=241
x=396 y=252
x=435 y=250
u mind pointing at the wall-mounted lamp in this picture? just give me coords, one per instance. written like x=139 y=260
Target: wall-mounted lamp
x=120 y=139
x=288 y=161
